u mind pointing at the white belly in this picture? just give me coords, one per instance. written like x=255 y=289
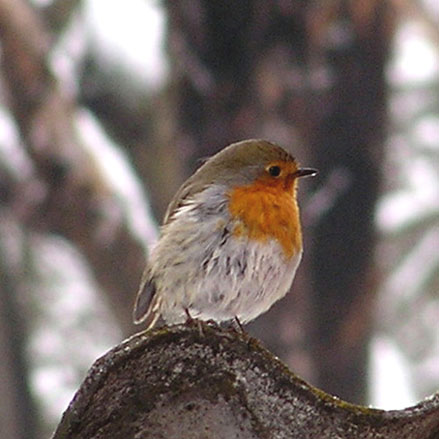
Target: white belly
x=219 y=276
x=244 y=280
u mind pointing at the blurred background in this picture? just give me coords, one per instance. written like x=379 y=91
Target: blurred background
x=107 y=106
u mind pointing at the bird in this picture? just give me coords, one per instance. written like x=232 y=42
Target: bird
x=231 y=239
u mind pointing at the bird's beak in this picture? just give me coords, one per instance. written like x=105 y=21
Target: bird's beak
x=305 y=172
x=301 y=172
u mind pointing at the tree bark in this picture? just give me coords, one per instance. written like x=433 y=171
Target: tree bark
x=201 y=381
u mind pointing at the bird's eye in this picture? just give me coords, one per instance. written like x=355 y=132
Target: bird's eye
x=274 y=171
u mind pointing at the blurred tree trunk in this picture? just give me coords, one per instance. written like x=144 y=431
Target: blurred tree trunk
x=18 y=413
x=347 y=147
x=285 y=71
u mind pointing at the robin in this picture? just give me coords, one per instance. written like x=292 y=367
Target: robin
x=231 y=239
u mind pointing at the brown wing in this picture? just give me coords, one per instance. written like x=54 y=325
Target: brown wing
x=147 y=305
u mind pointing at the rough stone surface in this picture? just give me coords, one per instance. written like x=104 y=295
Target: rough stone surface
x=181 y=382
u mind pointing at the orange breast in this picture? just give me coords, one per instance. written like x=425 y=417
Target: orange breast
x=267 y=211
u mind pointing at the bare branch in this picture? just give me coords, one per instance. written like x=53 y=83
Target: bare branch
x=77 y=198
x=59 y=12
